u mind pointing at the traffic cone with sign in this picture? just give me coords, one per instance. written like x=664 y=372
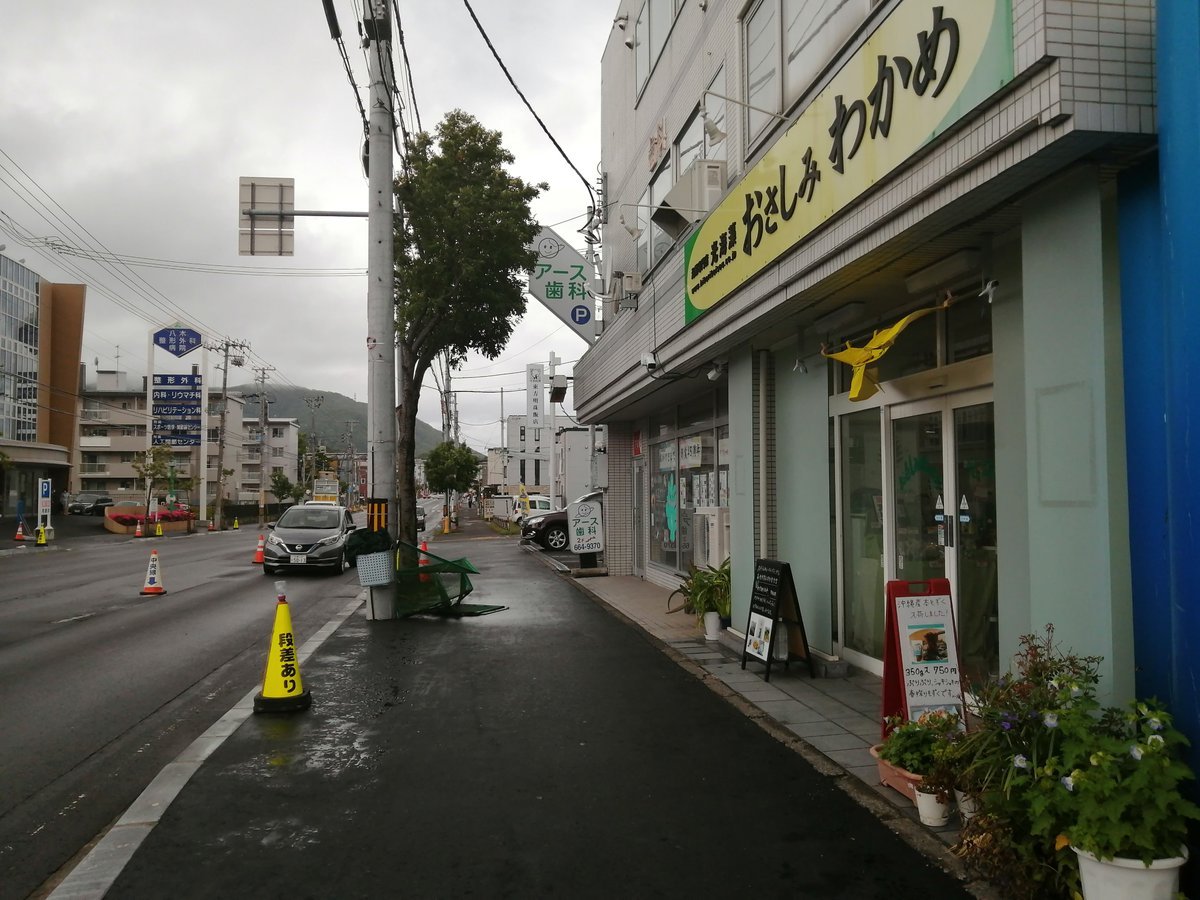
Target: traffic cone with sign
x=235 y=523
x=20 y=535
x=137 y=532
x=282 y=690
x=41 y=536
x=154 y=583
x=424 y=561
x=258 y=554
x=157 y=528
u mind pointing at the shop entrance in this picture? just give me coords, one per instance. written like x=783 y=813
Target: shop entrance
x=942 y=512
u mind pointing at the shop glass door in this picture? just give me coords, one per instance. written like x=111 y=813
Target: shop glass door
x=943 y=455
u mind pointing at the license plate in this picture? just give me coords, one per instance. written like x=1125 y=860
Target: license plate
x=298 y=559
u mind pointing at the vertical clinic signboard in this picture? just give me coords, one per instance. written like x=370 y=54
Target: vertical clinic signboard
x=175 y=407
x=534 y=380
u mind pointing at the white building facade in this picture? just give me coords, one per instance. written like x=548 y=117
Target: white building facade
x=786 y=176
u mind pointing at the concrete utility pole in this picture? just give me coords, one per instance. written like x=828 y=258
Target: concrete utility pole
x=262 y=442
x=224 y=346
x=313 y=403
x=554 y=360
x=381 y=317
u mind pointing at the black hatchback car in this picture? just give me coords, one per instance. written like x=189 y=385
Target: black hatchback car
x=550 y=529
x=89 y=504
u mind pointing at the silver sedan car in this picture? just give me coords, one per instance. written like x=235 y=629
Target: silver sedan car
x=308 y=537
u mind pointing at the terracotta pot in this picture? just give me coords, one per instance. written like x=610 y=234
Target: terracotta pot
x=895 y=777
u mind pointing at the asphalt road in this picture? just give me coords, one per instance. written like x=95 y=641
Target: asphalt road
x=102 y=686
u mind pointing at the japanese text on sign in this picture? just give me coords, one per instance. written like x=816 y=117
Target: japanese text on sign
x=928 y=653
x=177 y=340
x=920 y=71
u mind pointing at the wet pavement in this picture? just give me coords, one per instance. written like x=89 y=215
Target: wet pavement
x=557 y=747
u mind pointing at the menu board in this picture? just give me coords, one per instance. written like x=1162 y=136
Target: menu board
x=921 y=670
x=772 y=601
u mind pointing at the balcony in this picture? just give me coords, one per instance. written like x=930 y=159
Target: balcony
x=97 y=468
x=86 y=440
x=94 y=415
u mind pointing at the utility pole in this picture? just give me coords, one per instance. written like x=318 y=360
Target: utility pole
x=262 y=442
x=313 y=403
x=224 y=346
x=349 y=437
x=554 y=360
x=381 y=317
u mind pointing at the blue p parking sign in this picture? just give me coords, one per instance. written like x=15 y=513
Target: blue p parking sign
x=580 y=315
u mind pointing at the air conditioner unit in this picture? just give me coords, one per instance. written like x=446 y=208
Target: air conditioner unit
x=710 y=530
x=696 y=193
x=631 y=283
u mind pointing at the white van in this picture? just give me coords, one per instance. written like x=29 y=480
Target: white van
x=538 y=504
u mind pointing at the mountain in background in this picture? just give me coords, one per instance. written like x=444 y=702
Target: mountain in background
x=331 y=416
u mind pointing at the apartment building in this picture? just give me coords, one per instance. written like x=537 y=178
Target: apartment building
x=263 y=451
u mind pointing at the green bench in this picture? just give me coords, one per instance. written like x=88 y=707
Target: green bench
x=437 y=584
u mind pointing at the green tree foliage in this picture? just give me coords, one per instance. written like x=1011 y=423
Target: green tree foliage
x=462 y=238
x=451 y=467
x=156 y=465
x=284 y=489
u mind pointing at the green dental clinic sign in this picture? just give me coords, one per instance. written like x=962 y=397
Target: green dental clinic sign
x=923 y=69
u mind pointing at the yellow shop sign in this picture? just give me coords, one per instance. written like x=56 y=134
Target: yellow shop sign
x=924 y=68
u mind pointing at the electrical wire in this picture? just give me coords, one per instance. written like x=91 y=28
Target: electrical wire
x=487 y=40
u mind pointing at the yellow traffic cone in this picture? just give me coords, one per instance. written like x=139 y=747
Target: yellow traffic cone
x=157 y=528
x=282 y=690
x=154 y=583
x=235 y=523
x=41 y=536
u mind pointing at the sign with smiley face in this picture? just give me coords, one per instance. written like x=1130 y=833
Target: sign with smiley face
x=560 y=280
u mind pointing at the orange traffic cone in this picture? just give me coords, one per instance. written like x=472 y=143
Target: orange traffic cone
x=137 y=532
x=212 y=526
x=154 y=583
x=258 y=554
x=282 y=690
x=424 y=561
x=20 y=535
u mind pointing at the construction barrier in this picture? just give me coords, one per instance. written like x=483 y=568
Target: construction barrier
x=258 y=554
x=154 y=584
x=283 y=689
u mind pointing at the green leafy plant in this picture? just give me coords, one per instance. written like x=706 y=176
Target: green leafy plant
x=912 y=745
x=708 y=590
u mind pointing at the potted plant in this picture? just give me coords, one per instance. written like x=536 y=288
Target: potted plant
x=708 y=593
x=1118 y=777
x=908 y=754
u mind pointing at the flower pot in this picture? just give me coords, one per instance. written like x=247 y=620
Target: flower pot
x=895 y=777
x=968 y=805
x=712 y=626
x=932 y=809
x=1129 y=879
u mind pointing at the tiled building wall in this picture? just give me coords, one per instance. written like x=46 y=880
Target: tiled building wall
x=618 y=518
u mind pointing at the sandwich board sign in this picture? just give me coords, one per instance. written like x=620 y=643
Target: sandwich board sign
x=773 y=601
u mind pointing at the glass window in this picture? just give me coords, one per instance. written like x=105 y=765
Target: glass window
x=812 y=33
x=968 y=330
x=762 y=64
x=715 y=108
x=643 y=231
x=697 y=487
x=661 y=16
x=689 y=146
x=660 y=241
x=862 y=531
x=641 y=48
x=664 y=504
x=915 y=351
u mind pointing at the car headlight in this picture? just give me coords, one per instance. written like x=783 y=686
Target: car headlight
x=534 y=522
x=325 y=542
x=273 y=538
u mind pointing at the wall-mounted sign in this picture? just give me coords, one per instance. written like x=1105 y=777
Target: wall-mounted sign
x=924 y=68
x=559 y=281
x=535 y=378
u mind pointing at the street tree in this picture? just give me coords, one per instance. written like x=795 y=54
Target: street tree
x=157 y=469
x=462 y=237
x=451 y=467
x=284 y=488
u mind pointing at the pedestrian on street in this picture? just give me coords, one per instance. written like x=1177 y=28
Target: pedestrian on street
x=63 y=499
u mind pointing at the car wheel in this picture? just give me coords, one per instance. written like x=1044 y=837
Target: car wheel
x=556 y=538
x=340 y=566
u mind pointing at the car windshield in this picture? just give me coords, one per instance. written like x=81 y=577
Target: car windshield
x=86 y=498
x=324 y=517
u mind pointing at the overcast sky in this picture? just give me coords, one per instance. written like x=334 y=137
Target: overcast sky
x=132 y=123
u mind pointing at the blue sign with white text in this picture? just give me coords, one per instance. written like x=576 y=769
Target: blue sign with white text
x=179 y=341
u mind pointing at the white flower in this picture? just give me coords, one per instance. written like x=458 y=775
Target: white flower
x=1050 y=720
x=1020 y=761
x=1155 y=739
x=1155 y=724
x=1076 y=690
x=1068 y=782
x=1135 y=751
x=1052 y=684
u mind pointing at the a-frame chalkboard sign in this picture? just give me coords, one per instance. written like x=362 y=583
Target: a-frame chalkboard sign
x=773 y=600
